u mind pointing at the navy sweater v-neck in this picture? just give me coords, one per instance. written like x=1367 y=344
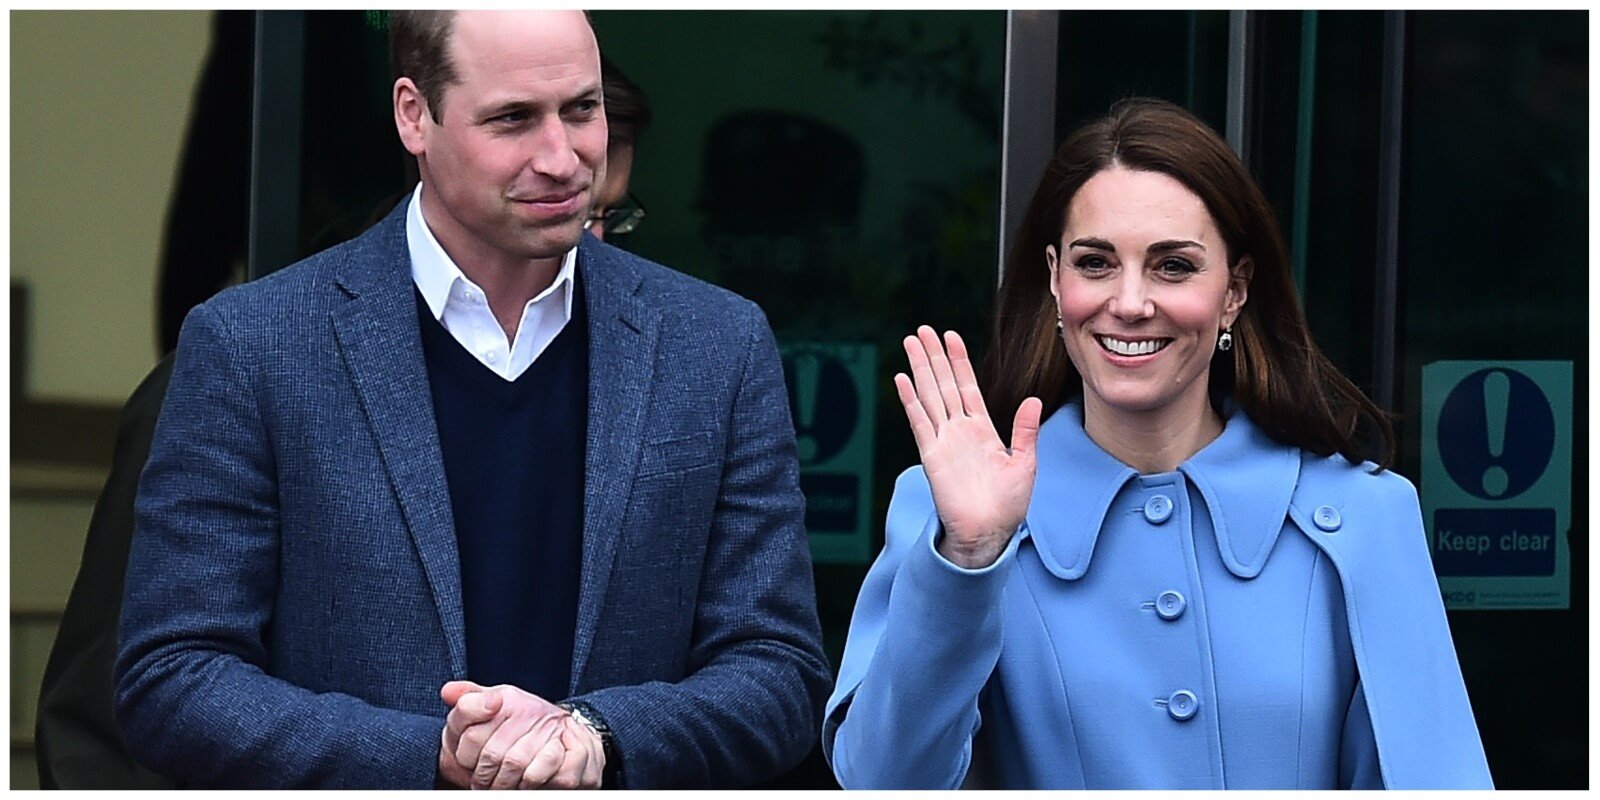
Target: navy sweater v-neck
x=514 y=463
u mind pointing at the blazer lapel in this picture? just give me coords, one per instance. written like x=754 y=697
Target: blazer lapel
x=382 y=348
x=622 y=342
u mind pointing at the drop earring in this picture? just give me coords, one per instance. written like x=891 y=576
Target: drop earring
x=1225 y=341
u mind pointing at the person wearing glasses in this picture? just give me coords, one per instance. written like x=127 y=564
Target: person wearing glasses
x=616 y=211
x=1186 y=575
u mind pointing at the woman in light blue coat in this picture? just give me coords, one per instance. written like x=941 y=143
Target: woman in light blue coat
x=1187 y=576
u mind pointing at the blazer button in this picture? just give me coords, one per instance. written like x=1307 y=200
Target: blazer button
x=1170 y=605
x=1158 y=509
x=1326 y=518
x=1182 y=705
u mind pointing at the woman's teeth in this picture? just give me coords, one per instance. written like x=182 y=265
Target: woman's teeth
x=1124 y=348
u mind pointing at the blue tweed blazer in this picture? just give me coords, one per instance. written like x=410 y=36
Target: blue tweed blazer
x=293 y=599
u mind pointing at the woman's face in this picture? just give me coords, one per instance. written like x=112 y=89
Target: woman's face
x=1142 y=282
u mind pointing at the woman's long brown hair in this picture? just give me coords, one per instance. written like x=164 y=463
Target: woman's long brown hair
x=1275 y=371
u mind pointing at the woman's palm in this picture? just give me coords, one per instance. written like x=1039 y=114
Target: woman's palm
x=980 y=489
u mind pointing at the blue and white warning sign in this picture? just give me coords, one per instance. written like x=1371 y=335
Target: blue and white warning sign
x=832 y=401
x=1497 y=481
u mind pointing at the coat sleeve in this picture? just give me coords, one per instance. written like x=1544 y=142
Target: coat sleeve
x=923 y=642
x=193 y=693
x=749 y=706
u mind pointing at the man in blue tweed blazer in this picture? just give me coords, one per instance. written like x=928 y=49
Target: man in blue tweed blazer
x=312 y=542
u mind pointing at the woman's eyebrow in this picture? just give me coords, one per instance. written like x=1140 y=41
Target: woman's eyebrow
x=1090 y=241
x=1168 y=245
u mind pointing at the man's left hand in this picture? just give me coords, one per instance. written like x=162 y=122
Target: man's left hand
x=502 y=737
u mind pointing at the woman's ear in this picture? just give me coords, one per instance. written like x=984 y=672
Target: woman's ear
x=1054 y=262
x=1238 y=290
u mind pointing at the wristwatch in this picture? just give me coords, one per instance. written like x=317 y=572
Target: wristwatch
x=585 y=713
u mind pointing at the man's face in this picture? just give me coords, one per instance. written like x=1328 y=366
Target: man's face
x=512 y=167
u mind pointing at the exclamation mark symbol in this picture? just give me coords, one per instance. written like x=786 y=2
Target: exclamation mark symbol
x=1496 y=398
x=806 y=374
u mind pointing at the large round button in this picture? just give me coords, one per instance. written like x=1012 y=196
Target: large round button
x=1158 y=509
x=1182 y=705
x=1326 y=518
x=1170 y=605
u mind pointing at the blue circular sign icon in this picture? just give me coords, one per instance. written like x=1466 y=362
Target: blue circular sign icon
x=1496 y=433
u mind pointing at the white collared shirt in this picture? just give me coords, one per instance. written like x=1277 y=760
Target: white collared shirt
x=461 y=306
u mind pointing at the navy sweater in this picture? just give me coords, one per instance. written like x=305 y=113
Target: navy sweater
x=514 y=462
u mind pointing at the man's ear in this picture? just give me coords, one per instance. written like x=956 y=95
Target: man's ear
x=411 y=116
x=1238 y=290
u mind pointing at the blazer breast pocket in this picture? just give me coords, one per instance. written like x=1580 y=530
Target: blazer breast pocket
x=676 y=455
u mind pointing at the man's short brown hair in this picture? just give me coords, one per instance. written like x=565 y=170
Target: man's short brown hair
x=419 y=49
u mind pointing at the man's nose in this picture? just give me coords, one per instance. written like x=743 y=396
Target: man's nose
x=552 y=154
x=1131 y=300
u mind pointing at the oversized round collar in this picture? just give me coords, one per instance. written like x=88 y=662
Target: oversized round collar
x=1245 y=478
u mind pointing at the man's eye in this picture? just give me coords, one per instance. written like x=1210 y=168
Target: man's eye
x=510 y=118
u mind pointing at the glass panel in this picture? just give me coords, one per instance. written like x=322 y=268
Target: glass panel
x=1314 y=152
x=1494 y=272
x=842 y=171
x=1105 y=56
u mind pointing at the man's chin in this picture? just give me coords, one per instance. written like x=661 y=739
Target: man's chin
x=549 y=242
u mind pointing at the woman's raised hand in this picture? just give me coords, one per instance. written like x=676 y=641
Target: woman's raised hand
x=980 y=489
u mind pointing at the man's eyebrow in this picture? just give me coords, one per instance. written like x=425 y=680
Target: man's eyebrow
x=504 y=107
x=593 y=93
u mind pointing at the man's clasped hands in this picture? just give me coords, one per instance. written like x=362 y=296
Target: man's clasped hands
x=501 y=737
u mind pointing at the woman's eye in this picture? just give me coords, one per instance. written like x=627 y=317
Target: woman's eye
x=1176 y=267
x=1092 y=265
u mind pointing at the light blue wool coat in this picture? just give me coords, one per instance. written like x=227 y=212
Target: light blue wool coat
x=1259 y=618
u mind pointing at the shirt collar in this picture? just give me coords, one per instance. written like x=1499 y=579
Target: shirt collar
x=435 y=273
x=1244 y=477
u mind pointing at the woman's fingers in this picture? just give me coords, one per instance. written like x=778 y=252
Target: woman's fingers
x=926 y=385
x=966 y=378
x=921 y=427
x=1025 y=428
x=944 y=377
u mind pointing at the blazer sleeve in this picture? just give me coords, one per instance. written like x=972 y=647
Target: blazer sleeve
x=193 y=693
x=749 y=707
x=923 y=642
